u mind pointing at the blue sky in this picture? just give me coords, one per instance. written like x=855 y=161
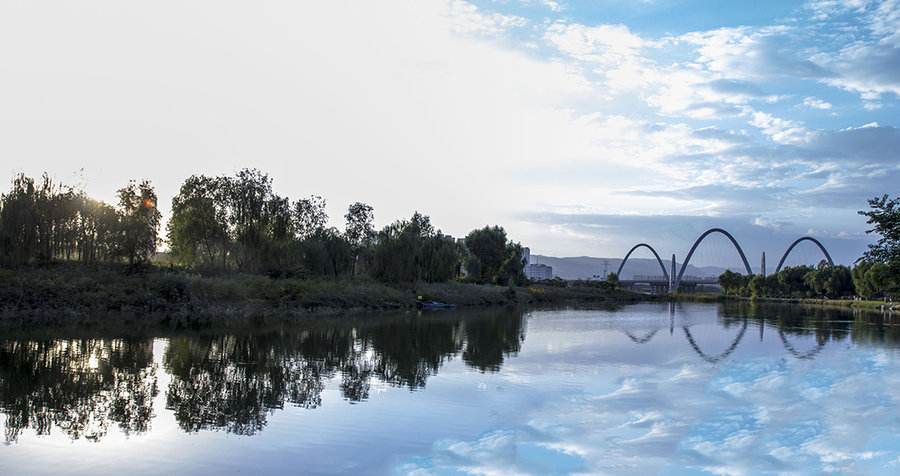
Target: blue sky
x=581 y=126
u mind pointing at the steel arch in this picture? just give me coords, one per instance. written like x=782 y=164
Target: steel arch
x=642 y=245
x=797 y=242
x=699 y=240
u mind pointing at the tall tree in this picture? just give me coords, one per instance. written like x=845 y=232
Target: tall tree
x=492 y=258
x=310 y=216
x=359 y=230
x=140 y=222
x=198 y=230
x=884 y=216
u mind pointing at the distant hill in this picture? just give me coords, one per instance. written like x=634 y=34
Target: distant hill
x=584 y=267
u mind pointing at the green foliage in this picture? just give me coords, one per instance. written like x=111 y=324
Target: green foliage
x=613 y=279
x=733 y=283
x=43 y=222
x=360 y=232
x=139 y=222
x=493 y=259
x=198 y=232
x=488 y=246
x=411 y=250
x=239 y=223
x=792 y=282
x=884 y=216
x=309 y=216
x=874 y=280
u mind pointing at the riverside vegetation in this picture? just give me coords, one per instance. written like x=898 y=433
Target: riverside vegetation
x=238 y=248
x=875 y=275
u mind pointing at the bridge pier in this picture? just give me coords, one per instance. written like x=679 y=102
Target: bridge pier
x=672 y=276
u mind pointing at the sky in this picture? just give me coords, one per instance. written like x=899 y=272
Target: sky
x=582 y=127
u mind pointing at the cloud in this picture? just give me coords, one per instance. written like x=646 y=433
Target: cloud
x=665 y=410
x=608 y=45
x=469 y=19
x=744 y=53
x=815 y=103
x=870 y=64
x=782 y=131
x=513 y=106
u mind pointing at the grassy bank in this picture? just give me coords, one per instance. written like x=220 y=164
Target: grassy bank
x=64 y=293
x=879 y=306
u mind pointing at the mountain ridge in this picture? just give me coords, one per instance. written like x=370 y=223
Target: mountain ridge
x=586 y=267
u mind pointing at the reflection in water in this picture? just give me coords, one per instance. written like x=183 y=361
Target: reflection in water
x=80 y=387
x=788 y=320
x=642 y=339
x=234 y=382
x=715 y=358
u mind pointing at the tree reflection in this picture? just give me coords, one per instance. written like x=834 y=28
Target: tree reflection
x=80 y=387
x=233 y=383
x=489 y=340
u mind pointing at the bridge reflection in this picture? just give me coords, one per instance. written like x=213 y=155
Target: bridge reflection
x=784 y=322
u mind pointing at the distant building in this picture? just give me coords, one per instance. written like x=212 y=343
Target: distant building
x=535 y=271
x=538 y=272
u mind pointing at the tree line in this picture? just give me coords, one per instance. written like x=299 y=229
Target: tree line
x=792 y=282
x=42 y=221
x=875 y=275
x=237 y=223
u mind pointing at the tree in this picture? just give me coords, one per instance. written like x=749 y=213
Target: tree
x=733 y=283
x=830 y=281
x=360 y=229
x=411 y=250
x=310 y=216
x=140 y=222
x=246 y=195
x=613 y=279
x=884 y=216
x=792 y=281
x=198 y=230
x=488 y=246
x=512 y=271
x=873 y=280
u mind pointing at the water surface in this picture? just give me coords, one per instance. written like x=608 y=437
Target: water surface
x=651 y=388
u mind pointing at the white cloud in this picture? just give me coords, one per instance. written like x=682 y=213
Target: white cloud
x=783 y=131
x=609 y=45
x=552 y=5
x=816 y=103
x=468 y=18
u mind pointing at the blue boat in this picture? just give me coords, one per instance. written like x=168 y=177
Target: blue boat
x=434 y=305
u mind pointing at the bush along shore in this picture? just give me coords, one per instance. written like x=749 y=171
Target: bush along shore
x=883 y=306
x=65 y=293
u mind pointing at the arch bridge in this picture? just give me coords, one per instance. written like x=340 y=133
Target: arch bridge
x=673 y=278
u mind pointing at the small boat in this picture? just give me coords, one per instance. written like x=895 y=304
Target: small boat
x=434 y=305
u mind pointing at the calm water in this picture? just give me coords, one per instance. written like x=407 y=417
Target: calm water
x=687 y=389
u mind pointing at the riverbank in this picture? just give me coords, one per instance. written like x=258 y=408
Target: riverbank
x=876 y=306
x=67 y=293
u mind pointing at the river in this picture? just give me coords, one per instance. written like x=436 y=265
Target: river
x=647 y=388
